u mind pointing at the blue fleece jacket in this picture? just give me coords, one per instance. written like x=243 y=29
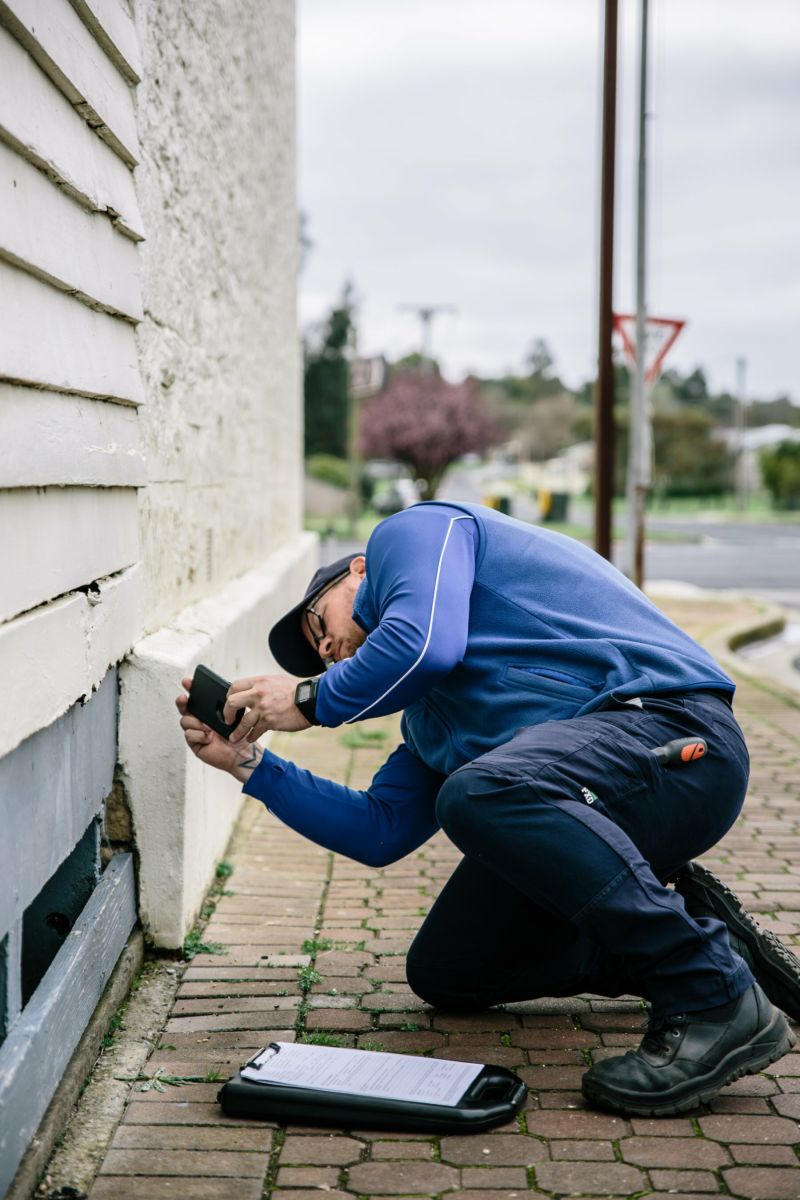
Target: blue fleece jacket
x=477 y=626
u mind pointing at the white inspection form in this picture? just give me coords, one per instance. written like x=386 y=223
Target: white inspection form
x=363 y=1072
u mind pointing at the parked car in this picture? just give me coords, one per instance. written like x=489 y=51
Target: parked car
x=395 y=495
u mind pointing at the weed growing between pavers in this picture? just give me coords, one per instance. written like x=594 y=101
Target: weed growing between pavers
x=279 y=1138
x=160 y=1077
x=314 y=946
x=307 y=976
x=317 y=1037
x=193 y=944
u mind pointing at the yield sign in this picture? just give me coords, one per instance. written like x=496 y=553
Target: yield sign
x=660 y=334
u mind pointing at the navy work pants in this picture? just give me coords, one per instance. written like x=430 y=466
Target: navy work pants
x=568 y=832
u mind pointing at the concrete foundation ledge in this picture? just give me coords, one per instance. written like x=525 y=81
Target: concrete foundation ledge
x=183 y=813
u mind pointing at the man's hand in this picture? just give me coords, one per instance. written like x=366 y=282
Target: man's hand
x=211 y=748
x=269 y=700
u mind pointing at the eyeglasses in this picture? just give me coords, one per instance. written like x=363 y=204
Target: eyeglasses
x=316 y=627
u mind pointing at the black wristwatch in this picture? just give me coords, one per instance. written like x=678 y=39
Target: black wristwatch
x=305 y=697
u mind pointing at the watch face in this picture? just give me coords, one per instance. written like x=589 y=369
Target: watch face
x=304 y=691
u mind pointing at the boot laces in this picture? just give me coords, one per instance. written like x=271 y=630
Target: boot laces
x=660 y=1031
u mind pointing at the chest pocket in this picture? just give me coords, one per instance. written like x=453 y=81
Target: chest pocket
x=546 y=682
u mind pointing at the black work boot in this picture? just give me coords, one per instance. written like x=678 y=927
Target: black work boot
x=684 y=1060
x=775 y=968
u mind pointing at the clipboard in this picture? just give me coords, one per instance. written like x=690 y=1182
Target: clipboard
x=368 y=1089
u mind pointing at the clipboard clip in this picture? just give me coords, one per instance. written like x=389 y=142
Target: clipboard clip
x=259 y=1058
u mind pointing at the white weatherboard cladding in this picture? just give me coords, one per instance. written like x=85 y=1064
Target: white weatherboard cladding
x=50 y=339
x=42 y=125
x=113 y=29
x=221 y=429
x=60 y=651
x=183 y=812
x=48 y=233
x=53 y=33
x=75 y=441
x=53 y=540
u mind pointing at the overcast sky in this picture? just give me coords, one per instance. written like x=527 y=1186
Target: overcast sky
x=449 y=154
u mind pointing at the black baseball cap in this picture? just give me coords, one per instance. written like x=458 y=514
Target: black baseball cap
x=288 y=643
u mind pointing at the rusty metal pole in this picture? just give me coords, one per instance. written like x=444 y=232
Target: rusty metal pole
x=604 y=391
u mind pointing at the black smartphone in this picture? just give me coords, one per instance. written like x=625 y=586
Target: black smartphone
x=207 y=700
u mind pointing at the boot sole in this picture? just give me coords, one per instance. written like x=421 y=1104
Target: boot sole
x=768 y=1046
x=776 y=968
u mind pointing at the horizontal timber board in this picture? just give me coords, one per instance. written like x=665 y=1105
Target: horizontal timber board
x=113 y=29
x=47 y=233
x=69 y=646
x=42 y=124
x=52 y=340
x=66 y=50
x=53 y=540
x=56 y=438
x=35 y=1054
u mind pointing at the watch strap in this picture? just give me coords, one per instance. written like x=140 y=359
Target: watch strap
x=305 y=698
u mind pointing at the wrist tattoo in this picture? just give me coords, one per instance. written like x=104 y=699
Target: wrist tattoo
x=251 y=760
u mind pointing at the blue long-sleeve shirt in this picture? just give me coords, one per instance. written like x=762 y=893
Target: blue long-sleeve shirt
x=477 y=625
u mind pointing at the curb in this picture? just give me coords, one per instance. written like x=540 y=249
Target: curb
x=725 y=643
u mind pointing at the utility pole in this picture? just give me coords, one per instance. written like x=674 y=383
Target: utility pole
x=741 y=403
x=426 y=313
x=640 y=440
x=604 y=391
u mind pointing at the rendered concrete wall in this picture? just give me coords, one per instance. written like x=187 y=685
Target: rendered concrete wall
x=221 y=513
x=218 y=344
x=182 y=811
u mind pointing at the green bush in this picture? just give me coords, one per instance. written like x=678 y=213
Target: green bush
x=780 y=468
x=329 y=469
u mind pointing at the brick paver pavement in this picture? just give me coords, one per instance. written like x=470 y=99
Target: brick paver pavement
x=314 y=947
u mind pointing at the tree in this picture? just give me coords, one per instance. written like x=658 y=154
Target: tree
x=425 y=423
x=539 y=359
x=689 y=389
x=547 y=426
x=325 y=382
x=780 y=469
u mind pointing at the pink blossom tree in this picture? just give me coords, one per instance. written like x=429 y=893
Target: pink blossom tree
x=425 y=423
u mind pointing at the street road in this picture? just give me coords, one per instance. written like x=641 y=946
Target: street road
x=762 y=558
x=759 y=557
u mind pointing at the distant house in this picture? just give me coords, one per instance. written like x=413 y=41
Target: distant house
x=150 y=476
x=747 y=447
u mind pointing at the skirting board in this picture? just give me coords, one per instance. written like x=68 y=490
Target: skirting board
x=40 y=1044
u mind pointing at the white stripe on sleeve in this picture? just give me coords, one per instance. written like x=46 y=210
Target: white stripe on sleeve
x=422 y=653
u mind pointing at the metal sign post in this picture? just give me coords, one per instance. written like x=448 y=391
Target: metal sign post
x=659 y=335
